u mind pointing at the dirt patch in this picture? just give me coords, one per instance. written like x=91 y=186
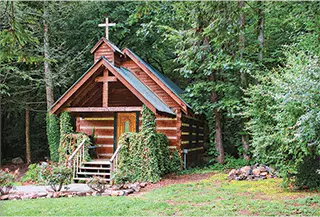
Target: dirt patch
x=23 y=168
x=174 y=179
x=244 y=212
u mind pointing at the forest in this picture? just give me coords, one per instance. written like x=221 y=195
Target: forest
x=251 y=67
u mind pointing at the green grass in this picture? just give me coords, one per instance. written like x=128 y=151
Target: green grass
x=213 y=196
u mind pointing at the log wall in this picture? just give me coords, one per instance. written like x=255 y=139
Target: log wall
x=104 y=50
x=193 y=138
x=104 y=132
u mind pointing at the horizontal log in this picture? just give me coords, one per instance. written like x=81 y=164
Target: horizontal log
x=102 y=109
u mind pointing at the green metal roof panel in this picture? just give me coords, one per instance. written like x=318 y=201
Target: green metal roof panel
x=142 y=89
x=170 y=84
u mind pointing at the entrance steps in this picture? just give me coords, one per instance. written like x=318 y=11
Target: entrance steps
x=87 y=170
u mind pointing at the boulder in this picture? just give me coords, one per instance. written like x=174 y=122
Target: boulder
x=232 y=173
x=263 y=173
x=4 y=197
x=114 y=193
x=42 y=194
x=245 y=170
x=143 y=184
x=106 y=193
x=256 y=172
x=17 y=160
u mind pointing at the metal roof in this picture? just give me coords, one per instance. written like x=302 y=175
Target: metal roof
x=170 y=84
x=114 y=46
x=142 y=89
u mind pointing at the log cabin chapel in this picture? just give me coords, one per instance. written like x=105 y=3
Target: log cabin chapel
x=109 y=96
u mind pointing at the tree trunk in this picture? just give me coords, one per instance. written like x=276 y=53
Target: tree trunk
x=46 y=51
x=243 y=75
x=261 y=30
x=218 y=126
x=28 y=149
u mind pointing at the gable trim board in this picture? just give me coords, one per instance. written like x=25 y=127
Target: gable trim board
x=143 y=93
x=166 y=84
x=111 y=45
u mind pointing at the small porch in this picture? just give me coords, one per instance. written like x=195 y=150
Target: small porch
x=104 y=126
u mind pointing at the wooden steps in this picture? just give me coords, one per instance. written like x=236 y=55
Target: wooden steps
x=88 y=170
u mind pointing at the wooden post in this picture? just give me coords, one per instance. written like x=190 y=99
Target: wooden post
x=105 y=91
x=28 y=150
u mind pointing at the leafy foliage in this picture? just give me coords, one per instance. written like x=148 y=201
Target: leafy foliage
x=307 y=175
x=33 y=174
x=144 y=156
x=70 y=142
x=98 y=184
x=65 y=125
x=284 y=113
x=55 y=175
x=53 y=136
x=7 y=180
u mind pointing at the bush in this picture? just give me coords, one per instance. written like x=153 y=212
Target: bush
x=70 y=142
x=307 y=175
x=7 y=180
x=55 y=176
x=98 y=184
x=33 y=174
x=284 y=114
x=53 y=136
x=144 y=156
x=231 y=163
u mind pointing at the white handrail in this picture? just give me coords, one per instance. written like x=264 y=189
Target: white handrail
x=115 y=154
x=75 y=152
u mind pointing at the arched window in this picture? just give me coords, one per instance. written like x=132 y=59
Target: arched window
x=127 y=126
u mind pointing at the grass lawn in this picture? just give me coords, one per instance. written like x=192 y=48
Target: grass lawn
x=212 y=196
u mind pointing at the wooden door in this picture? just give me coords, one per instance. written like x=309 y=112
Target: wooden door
x=126 y=123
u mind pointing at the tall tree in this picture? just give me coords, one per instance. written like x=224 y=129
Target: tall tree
x=46 y=51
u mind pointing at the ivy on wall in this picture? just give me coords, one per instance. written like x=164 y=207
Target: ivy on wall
x=53 y=136
x=69 y=140
x=144 y=156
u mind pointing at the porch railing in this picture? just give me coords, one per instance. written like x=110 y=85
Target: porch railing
x=77 y=158
x=115 y=159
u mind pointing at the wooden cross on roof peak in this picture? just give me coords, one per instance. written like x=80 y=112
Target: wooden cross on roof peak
x=107 y=24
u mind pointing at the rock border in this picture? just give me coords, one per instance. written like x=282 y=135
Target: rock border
x=114 y=190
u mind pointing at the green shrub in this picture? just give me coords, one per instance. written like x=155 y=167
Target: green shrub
x=231 y=163
x=98 y=184
x=70 y=142
x=65 y=124
x=7 y=180
x=55 y=176
x=53 y=136
x=284 y=115
x=144 y=156
x=176 y=163
x=33 y=174
x=307 y=175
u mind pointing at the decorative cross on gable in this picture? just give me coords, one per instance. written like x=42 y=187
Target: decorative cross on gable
x=105 y=79
x=107 y=24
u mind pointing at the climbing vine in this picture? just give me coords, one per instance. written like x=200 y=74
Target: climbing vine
x=144 y=156
x=69 y=140
x=53 y=136
x=65 y=124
